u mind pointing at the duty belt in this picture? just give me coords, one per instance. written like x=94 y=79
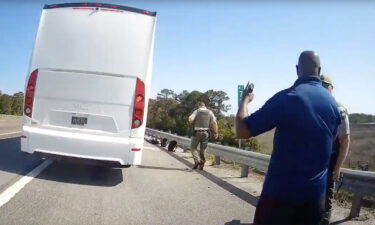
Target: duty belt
x=201 y=130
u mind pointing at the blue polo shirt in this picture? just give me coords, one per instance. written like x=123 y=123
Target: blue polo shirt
x=306 y=119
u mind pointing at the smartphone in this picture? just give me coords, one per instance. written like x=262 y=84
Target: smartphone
x=250 y=87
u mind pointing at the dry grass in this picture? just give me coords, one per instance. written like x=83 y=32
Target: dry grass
x=9 y=117
x=344 y=199
x=266 y=141
x=361 y=151
x=361 y=146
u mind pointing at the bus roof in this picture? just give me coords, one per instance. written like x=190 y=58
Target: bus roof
x=100 y=5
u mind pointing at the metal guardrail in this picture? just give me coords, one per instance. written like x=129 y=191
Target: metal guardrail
x=248 y=158
x=361 y=183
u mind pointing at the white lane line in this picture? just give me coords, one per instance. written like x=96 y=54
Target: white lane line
x=17 y=132
x=16 y=187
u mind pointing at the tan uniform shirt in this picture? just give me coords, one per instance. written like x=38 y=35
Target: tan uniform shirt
x=193 y=115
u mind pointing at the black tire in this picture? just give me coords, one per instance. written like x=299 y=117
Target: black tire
x=164 y=142
x=172 y=146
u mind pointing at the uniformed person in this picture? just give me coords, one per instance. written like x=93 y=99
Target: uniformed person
x=202 y=119
x=339 y=151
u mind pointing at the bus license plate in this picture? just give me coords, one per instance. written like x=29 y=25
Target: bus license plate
x=79 y=120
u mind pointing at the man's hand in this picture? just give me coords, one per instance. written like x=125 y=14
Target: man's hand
x=216 y=135
x=247 y=95
x=248 y=98
x=336 y=174
x=343 y=152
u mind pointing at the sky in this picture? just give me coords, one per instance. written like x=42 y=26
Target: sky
x=207 y=44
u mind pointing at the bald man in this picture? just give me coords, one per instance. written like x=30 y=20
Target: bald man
x=306 y=119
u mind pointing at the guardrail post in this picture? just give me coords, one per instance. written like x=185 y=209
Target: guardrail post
x=356 y=205
x=217 y=160
x=244 y=171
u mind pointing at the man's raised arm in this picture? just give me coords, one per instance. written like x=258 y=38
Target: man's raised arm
x=241 y=129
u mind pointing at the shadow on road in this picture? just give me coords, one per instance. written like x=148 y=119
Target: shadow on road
x=237 y=222
x=341 y=221
x=12 y=160
x=163 y=168
x=245 y=196
x=82 y=174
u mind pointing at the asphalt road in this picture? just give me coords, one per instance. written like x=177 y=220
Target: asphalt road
x=161 y=191
x=13 y=162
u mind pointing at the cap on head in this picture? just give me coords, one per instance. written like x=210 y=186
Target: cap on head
x=326 y=81
x=308 y=64
x=201 y=104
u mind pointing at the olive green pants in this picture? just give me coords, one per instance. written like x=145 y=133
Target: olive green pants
x=201 y=138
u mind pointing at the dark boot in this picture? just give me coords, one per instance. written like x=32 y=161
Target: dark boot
x=195 y=165
x=201 y=165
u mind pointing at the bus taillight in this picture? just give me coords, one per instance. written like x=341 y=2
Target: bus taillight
x=30 y=93
x=139 y=104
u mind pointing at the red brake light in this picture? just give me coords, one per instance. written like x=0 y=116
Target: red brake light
x=83 y=8
x=139 y=104
x=30 y=88
x=29 y=100
x=30 y=93
x=139 y=98
x=112 y=10
x=138 y=112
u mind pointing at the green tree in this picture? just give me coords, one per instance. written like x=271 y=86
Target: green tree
x=253 y=144
x=361 y=118
x=170 y=112
x=227 y=134
x=159 y=112
x=17 y=103
x=166 y=94
x=5 y=104
x=216 y=101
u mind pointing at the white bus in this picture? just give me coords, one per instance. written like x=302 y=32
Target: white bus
x=87 y=90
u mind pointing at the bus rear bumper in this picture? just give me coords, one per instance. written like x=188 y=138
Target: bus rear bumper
x=92 y=147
